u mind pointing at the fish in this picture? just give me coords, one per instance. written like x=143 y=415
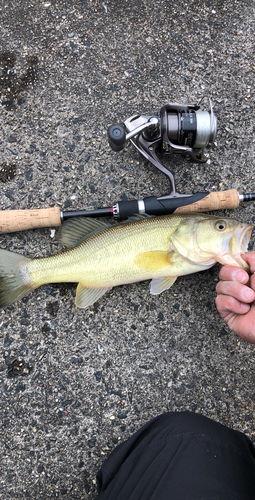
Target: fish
x=99 y=256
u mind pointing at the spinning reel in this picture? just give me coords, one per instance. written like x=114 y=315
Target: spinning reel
x=179 y=129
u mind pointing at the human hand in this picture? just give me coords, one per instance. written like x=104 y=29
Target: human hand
x=236 y=298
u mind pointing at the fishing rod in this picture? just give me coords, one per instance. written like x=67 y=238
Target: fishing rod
x=178 y=129
x=21 y=220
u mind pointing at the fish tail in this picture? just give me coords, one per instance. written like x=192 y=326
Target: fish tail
x=15 y=282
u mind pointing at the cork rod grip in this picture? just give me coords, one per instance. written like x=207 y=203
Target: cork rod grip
x=213 y=201
x=20 y=220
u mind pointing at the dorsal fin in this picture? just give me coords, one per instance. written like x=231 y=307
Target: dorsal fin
x=75 y=230
x=136 y=217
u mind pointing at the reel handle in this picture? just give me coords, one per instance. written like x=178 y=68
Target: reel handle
x=20 y=220
x=116 y=137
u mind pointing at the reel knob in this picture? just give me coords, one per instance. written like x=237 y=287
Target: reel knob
x=116 y=137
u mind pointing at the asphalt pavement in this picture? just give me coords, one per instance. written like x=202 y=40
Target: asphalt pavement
x=76 y=383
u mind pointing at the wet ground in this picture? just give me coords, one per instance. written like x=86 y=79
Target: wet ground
x=75 y=383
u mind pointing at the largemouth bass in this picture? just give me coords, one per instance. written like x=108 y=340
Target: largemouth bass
x=102 y=256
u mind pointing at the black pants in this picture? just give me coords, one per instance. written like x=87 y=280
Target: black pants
x=180 y=456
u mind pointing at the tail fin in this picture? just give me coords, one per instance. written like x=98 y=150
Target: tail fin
x=14 y=277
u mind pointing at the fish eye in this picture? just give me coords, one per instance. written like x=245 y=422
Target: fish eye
x=220 y=225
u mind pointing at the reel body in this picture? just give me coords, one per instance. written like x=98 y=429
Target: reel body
x=179 y=129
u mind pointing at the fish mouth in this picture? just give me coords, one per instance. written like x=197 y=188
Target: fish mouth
x=241 y=238
x=239 y=244
x=245 y=238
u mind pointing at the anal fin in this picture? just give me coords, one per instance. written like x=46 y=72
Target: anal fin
x=158 y=285
x=85 y=296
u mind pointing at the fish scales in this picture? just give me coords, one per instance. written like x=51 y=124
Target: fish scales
x=101 y=256
x=108 y=258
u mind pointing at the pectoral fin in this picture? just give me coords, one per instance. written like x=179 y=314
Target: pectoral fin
x=153 y=261
x=158 y=285
x=85 y=296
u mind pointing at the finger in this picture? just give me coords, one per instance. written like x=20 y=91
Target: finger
x=228 y=305
x=232 y=273
x=252 y=282
x=249 y=257
x=243 y=324
x=237 y=290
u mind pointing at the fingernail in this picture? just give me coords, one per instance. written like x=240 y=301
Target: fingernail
x=248 y=294
x=239 y=275
x=245 y=307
